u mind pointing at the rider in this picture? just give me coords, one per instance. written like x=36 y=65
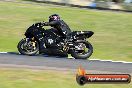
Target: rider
x=58 y=24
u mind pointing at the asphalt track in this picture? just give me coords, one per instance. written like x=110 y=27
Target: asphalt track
x=42 y=61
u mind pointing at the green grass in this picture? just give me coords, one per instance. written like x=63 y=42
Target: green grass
x=113 y=30
x=26 y=78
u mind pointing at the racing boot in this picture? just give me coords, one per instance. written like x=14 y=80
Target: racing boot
x=69 y=38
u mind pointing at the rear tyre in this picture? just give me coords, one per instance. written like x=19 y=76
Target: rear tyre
x=30 y=48
x=83 y=54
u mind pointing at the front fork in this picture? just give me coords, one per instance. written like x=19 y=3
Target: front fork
x=30 y=42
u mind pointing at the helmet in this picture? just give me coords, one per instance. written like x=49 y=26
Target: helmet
x=54 y=17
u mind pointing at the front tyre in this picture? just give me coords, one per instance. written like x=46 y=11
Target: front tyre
x=28 y=48
x=82 y=50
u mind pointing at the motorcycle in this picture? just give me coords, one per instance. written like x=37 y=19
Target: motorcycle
x=54 y=44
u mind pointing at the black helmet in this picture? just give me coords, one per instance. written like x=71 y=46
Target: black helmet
x=54 y=17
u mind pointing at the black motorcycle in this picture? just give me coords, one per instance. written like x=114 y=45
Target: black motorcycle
x=55 y=44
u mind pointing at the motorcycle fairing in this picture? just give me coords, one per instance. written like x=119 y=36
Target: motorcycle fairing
x=36 y=32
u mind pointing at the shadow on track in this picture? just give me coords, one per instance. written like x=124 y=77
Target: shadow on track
x=42 y=55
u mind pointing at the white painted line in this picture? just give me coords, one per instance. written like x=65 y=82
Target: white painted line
x=101 y=60
x=3 y=52
x=113 y=61
x=123 y=62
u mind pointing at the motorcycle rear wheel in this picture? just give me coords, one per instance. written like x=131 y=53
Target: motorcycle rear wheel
x=24 y=51
x=84 y=55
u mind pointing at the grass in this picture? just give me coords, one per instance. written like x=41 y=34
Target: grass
x=113 y=30
x=27 y=78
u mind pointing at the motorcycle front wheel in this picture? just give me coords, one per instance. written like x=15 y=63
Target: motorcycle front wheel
x=28 y=48
x=82 y=50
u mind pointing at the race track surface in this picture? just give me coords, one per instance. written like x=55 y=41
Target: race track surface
x=42 y=61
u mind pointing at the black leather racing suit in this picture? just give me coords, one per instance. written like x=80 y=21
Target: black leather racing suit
x=61 y=26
